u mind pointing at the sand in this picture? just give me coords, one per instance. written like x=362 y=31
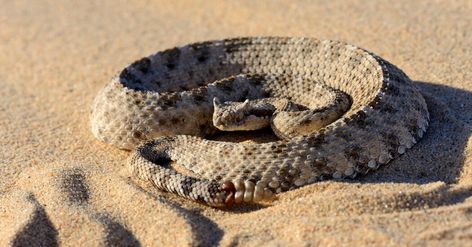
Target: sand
x=60 y=186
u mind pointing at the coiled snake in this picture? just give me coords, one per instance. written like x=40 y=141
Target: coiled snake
x=339 y=111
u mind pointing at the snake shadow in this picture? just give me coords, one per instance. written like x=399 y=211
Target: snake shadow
x=440 y=155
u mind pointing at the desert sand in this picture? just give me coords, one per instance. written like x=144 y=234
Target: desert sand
x=60 y=186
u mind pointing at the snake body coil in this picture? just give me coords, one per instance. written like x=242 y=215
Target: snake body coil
x=168 y=98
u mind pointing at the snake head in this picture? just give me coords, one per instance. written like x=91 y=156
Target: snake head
x=237 y=116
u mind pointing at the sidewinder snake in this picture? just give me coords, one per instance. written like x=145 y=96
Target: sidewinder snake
x=353 y=112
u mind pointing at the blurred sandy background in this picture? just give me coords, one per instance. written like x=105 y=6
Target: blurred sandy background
x=59 y=186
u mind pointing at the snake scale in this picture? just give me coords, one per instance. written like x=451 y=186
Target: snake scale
x=162 y=106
